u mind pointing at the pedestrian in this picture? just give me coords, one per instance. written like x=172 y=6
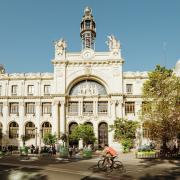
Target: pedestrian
x=70 y=151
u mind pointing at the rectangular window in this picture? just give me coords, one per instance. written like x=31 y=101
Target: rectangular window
x=1 y=109
x=14 y=90
x=30 y=108
x=73 y=108
x=129 y=88
x=14 y=108
x=47 y=89
x=30 y=89
x=46 y=108
x=130 y=108
x=87 y=107
x=102 y=107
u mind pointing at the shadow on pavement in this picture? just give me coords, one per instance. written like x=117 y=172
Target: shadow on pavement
x=19 y=173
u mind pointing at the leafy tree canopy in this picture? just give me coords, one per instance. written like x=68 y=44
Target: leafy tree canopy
x=162 y=91
x=84 y=132
x=49 y=139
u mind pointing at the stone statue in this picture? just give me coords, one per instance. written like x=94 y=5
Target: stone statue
x=60 y=46
x=113 y=43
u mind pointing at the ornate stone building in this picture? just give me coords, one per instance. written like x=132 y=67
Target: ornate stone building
x=85 y=87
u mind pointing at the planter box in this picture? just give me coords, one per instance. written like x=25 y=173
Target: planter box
x=87 y=153
x=24 y=151
x=146 y=154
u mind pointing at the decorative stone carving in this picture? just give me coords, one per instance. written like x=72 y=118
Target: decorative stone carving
x=114 y=44
x=60 y=47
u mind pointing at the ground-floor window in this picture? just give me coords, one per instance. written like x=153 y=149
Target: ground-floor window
x=46 y=128
x=13 y=130
x=30 y=130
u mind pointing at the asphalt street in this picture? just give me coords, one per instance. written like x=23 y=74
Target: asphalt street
x=52 y=168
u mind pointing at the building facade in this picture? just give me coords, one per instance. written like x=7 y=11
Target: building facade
x=85 y=87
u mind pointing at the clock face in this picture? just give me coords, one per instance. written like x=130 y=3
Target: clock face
x=87 y=54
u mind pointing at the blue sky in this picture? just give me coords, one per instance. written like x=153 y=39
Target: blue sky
x=149 y=31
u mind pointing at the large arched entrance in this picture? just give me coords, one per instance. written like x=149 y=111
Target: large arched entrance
x=72 y=125
x=102 y=134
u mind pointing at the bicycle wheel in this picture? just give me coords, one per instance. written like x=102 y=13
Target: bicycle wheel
x=101 y=164
x=118 y=165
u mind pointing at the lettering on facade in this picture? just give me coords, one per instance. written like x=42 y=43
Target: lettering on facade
x=87 y=89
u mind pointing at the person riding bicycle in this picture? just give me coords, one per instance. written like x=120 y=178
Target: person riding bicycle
x=109 y=153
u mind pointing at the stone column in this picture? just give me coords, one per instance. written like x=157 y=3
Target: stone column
x=55 y=120
x=95 y=107
x=137 y=107
x=38 y=122
x=111 y=122
x=21 y=123
x=80 y=107
x=62 y=117
x=5 y=130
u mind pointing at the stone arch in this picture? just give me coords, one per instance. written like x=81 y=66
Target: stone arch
x=79 y=79
x=13 y=129
x=30 y=130
x=102 y=133
x=88 y=123
x=46 y=128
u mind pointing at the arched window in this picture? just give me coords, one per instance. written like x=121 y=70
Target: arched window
x=46 y=128
x=30 y=130
x=103 y=134
x=1 y=126
x=89 y=123
x=13 y=130
x=88 y=88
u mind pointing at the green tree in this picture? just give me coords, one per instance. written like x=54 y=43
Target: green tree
x=125 y=132
x=84 y=132
x=49 y=139
x=162 y=92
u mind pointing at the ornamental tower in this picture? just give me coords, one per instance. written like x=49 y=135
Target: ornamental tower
x=88 y=30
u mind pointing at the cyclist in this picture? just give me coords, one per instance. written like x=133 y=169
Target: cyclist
x=109 y=153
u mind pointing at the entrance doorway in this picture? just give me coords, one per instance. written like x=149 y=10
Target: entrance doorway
x=102 y=134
